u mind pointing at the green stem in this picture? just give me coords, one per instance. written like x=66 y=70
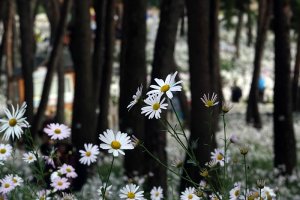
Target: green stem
x=246 y=177
x=225 y=147
x=107 y=179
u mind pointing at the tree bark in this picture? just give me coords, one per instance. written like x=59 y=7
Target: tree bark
x=252 y=114
x=27 y=52
x=295 y=87
x=284 y=139
x=132 y=75
x=238 y=31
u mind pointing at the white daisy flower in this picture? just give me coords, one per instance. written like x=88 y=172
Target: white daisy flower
x=129 y=192
x=12 y=126
x=68 y=170
x=215 y=197
x=54 y=175
x=156 y=193
x=235 y=193
x=210 y=102
x=189 y=194
x=29 y=157
x=17 y=180
x=60 y=183
x=154 y=106
x=115 y=143
x=268 y=193
x=57 y=131
x=136 y=97
x=7 y=185
x=168 y=86
x=107 y=192
x=89 y=155
x=5 y=151
x=43 y=195
x=218 y=156
x=68 y=196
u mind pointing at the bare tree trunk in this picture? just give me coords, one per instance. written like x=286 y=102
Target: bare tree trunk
x=27 y=52
x=284 y=139
x=132 y=75
x=252 y=115
x=295 y=87
x=60 y=105
x=249 y=24
x=238 y=31
x=52 y=65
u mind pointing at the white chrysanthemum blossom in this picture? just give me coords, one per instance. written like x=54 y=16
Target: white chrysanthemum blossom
x=130 y=192
x=57 y=131
x=136 y=97
x=154 y=106
x=156 y=193
x=29 y=157
x=268 y=193
x=89 y=155
x=17 y=180
x=189 y=194
x=108 y=191
x=12 y=126
x=210 y=102
x=68 y=170
x=60 y=183
x=218 y=156
x=43 y=195
x=5 y=151
x=115 y=143
x=168 y=86
x=235 y=193
x=7 y=185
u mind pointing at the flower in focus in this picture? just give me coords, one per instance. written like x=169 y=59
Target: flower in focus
x=5 y=151
x=115 y=143
x=60 y=183
x=157 y=193
x=136 y=97
x=89 y=155
x=12 y=126
x=17 y=180
x=29 y=157
x=68 y=170
x=218 y=156
x=154 y=106
x=210 y=102
x=235 y=192
x=189 y=194
x=7 y=185
x=168 y=86
x=57 y=131
x=130 y=192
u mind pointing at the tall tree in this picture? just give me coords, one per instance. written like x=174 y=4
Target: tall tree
x=27 y=51
x=239 y=26
x=264 y=15
x=163 y=64
x=284 y=139
x=132 y=75
x=295 y=87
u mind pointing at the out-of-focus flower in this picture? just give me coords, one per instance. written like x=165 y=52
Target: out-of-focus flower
x=7 y=185
x=244 y=150
x=89 y=155
x=226 y=106
x=136 y=97
x=29 y=157
x=5 y=151
x=204 y=173
x=17 y=180
x=68 y=170
x=235 y=192
x=57 y=131
x=210 y=102
x=156 y=193
x=218 y=156
x=107 y=192
x=60 y=183
x=154 y=106
x=260 y=183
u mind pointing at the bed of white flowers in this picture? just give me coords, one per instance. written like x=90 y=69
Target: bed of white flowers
x=242 y=173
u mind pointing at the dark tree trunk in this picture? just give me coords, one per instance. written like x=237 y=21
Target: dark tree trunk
x=107 y=66
x=163 y=64
x=284 y=139
x=52 y=65
x=132 y=75
x=249 y=24
x=27 y=52
x=264 y=15
x=238 y=31
x=60 y=105
x=83 y=127
x=52 y=8
x=295 y=87
x=198 y=12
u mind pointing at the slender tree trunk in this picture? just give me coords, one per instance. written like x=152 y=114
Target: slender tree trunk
x=107 y=66
x=27 y=52
x=284 y=139
x=252 y=114
x=52 y=8
x=238 y=31
x=132 y=75
x=52 y=65
x=295 y=87
x=60 y=105
x=249 y=24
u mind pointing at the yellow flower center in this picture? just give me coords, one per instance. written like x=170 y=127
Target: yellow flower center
x=6 y=185
x=57 y=131
x=190 y=196
x=131 y=195
x=30 y=157
x=68 y=170
x=115 y=144
x=157 y=194
x=219 y=157
x=165 y=88
x=237 y=193
x=88 y=153
x=59 y=183
x=12 y=122
x=156 y=106
x=2 y=151
x=14 y=180
x=209 y=103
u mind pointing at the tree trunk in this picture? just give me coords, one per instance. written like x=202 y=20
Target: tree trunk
x=52 y=65
x=249 y=24
x=27 y=52
x=132 y=75
x=163 y=64
x=52 y=8
x=284 y=139
x=238 y=31
x=107 y=66
x=83 y=123
x=252 y=114
x=60 y=104
x=295 y=87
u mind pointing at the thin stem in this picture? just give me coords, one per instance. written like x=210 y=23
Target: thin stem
x=107 y=179
x=246 y=177
x=225 y=147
